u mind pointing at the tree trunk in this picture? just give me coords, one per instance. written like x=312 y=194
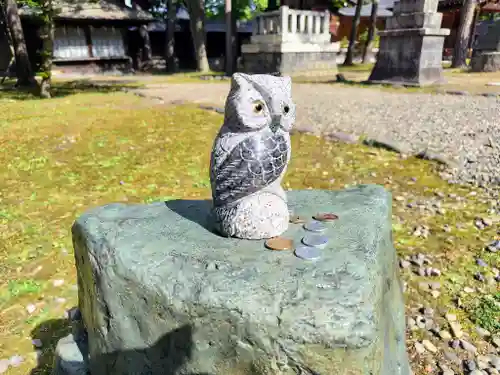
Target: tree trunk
x=349 y=57
x=197 y=23
x=48 y=46
x=367 y=52
x=170 y=37
x=234 y=36
x=477 y=12
x=463 y=34
x=229 y=37
x=24 y=72
x=147 y=55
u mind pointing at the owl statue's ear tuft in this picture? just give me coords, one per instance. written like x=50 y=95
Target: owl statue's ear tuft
x=239 y=80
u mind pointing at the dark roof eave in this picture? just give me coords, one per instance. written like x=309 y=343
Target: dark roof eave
x=129 y=20
x=119 y=14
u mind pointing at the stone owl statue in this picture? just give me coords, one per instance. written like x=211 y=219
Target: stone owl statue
x=250 y=156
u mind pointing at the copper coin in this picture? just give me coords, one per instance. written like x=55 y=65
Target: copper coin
x=297 y=219
x=279 y=243
x=325 y=217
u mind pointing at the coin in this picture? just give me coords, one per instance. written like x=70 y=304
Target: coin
x=297 y=219
x=314 y=226
x=315 y=240
x=307 y=252
x=279 y=243
x=325 y=217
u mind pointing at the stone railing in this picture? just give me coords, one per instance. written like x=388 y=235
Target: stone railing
x=291 y=25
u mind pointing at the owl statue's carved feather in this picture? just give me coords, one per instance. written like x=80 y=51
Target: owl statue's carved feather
x=249 y=167
x=250 y=156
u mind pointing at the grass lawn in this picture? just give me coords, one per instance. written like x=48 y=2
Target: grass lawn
x=63 y=156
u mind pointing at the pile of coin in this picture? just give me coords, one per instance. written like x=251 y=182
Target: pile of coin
x=312 y=242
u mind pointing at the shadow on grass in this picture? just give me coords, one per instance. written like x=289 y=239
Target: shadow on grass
x=182 y=72
x=355 y=68
x=61 y=89
x=390 y=87
x=49 y=333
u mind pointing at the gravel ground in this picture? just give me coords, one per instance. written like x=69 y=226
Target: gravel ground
x=464 y=130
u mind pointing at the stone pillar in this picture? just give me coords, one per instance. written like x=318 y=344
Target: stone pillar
x=302 y=23
x=486 y=54
x=310 y=24
x=317 y=25
x=284 y=19
x=326 y=24
x=293 y=24
x=261 y=25
x=255 y=26
x=411 y=46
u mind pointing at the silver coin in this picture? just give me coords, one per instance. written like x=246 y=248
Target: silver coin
x=315 y=240
x=307 y=252
x=314 y=226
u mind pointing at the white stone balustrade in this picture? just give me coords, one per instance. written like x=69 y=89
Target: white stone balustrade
x=292 y=26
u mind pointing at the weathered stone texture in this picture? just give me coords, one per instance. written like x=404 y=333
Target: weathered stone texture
x=486 y=54
x=415 y=6
x=411 y=47
x=419 y=20
x=290 y=63
x=123 y=66
x=161 y=294
x=409 y=58
x=485 y=62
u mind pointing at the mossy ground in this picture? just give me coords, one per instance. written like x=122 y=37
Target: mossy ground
x=63 y=156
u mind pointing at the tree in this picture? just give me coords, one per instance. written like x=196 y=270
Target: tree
x=371 y=33
x=349 y=57
x=47 y=35
x=24 y=72
x=240 y=9
x=467 y=10
x=229 y=38
x=157 y=8
x=196 y=10
x=170 y=36
x=147 y=53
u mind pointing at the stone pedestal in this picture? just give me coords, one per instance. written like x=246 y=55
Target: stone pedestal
x=411 y=46
x=292 y=42
x=486 y=53
x=159 y=293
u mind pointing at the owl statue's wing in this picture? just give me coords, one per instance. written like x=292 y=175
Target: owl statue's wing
x=253 y=164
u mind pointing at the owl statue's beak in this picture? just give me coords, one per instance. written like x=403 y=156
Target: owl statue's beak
x=275 y=123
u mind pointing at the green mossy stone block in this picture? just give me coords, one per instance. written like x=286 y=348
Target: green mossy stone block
x=161 y=294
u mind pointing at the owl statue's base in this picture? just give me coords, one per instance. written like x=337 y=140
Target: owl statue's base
x=259 y=216
x=159 y=293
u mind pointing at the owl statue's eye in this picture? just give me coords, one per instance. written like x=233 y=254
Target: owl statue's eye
x=258 y=107
x=286 y=109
